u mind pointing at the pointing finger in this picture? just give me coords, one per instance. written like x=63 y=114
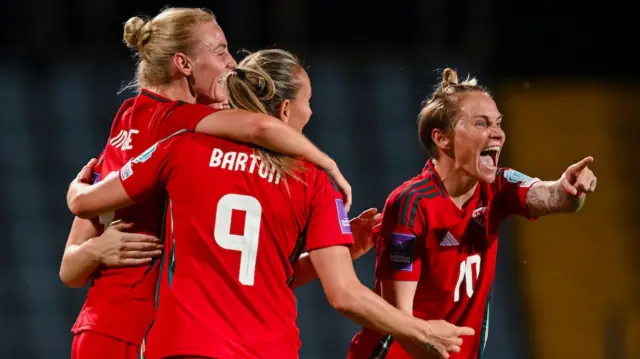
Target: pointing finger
x=577 y=167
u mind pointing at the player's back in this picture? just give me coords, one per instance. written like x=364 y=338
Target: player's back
x=235 y=227
x=120 y=301
x=139 y=124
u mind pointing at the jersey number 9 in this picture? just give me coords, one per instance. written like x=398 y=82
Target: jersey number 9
x=247 y=243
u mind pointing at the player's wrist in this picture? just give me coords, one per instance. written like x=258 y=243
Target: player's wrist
x=91 y=249
x=329 y=164
x=412 y=329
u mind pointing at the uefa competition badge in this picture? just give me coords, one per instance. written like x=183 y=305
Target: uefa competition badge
x=343 y=218
x=401 y=251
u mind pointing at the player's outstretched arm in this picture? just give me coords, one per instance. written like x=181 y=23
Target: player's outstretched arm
x=273 y=134
x=347 y=295
x=361 y=227
x=566 y=195
x=88 y=201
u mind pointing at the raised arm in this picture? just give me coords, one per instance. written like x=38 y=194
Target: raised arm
x=566 y=195
x=273 y=134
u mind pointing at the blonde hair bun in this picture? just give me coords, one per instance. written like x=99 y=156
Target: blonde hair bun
x=132 y=31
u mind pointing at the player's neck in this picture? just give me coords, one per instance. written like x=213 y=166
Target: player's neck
x=459 y=185
x=176 y=91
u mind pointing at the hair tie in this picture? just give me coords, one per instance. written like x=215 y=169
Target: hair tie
x=240 y=73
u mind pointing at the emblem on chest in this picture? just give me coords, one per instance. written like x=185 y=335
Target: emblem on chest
x=479 y=215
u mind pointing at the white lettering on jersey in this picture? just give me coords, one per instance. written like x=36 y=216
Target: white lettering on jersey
x=466 y=275
x=241 y=162
x=123 y=139
x=237 y=161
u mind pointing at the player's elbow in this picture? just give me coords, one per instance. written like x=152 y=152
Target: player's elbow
x=340 y=302
x=345 y=299
x=69 y=281
x=262 y=126
x=78 y=206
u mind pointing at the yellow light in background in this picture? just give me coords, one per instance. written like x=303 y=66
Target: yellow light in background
x=576 y=271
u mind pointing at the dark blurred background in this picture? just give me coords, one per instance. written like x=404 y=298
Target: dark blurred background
x=563 y=73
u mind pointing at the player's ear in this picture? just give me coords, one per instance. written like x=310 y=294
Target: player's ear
x=441 y=139
x=182 y=64
x=285 y=110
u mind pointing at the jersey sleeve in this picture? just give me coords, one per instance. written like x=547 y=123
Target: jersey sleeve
x=512 y=188
x=400 y=246
x=328 y=223
x=144 y=175
x=97 y=170
x=184 y=116
x=95 y=178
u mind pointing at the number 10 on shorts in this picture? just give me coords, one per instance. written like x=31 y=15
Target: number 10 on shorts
x=247 y=243
x=466 y=275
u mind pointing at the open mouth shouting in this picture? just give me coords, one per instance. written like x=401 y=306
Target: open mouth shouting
x=489 y=158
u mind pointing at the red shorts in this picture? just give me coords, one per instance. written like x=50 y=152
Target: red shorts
x=92 y=345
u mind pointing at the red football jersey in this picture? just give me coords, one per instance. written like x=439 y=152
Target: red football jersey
x=450 y=252
x=120 y=302
x=235 y=227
